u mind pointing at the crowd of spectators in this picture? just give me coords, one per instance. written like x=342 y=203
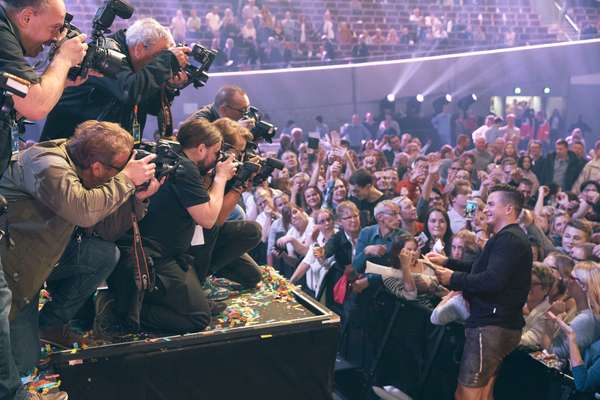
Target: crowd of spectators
x=373 y=191
x=269 y=34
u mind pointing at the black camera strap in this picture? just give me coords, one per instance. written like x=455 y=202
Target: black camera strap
x=143 y=277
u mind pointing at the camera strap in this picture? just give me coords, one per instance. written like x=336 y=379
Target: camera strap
x=165 y=119
x=143 y=277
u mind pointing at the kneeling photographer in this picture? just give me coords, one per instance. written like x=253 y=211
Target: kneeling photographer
x=223 y=252
x=144 y=85
x=176 y=302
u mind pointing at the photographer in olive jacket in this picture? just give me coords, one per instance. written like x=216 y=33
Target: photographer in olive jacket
x=51 y=188
x=144 y=85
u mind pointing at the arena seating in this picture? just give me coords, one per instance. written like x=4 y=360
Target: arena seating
x=496 y=18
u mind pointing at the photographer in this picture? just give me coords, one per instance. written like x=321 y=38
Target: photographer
x=225 y=245
x=230 y=102
x=52 y=188
x=178 y=303
x=142 y=87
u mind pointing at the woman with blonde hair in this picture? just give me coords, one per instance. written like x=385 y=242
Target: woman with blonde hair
x=584 y=287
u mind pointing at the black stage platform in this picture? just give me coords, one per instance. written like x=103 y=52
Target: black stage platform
x=273 y=343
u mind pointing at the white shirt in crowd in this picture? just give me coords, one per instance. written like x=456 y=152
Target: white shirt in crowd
x=317 y=271
x=457 y=221
x=305 y=237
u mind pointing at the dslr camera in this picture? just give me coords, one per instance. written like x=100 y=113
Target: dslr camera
x=200 y=60
x=103 y=54
x=168 y=155
x=252 y=166
x=262 y=129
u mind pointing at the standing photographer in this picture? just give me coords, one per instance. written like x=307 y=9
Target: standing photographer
x=145 y=85
x=25 y=27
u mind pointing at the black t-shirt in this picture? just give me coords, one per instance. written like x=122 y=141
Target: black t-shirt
x=168 y=222
x=12 y=53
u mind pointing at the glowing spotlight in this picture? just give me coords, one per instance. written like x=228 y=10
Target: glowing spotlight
x=466 y=102
x=547 y=90
x=391 y=97
x=518 y=90
x=420 y=98
x=448 y=97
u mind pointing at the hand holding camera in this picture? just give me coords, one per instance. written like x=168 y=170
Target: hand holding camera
x=72 y=50
x=227 y=168
x=140 y=171
x=181 y=53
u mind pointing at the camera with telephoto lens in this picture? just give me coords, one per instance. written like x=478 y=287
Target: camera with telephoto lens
x=200 y=60
x=168 y=155
x=262 y=129
x=103 y=54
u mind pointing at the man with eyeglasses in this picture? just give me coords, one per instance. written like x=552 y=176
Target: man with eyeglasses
x=54 y=187
x=375 y=242
x=146 y=84
x=230 y=102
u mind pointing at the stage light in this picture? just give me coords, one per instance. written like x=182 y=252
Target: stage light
x=420 y=98
x=465 y=102
x=547 y=90
x=448 y=97
x=391 y=97
x=517 y=90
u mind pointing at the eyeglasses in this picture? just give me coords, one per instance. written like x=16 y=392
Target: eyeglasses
x=240 y=110
x=120 y=167
x=391 y=213
x=353 y=216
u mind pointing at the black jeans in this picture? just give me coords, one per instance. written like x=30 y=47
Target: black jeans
x=224 y=253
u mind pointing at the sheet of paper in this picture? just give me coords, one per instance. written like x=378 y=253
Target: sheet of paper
x=198 y=238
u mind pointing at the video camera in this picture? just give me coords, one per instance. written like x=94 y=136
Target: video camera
x=103 y=54
x=200 y=61
x=262 y=129
x=168 y=155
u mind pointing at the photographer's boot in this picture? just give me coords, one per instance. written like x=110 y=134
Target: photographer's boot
x=213 y=292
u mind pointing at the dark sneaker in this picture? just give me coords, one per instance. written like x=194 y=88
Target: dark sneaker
x=47 y=396
x=215 y=293
x=226 y=283
x=216 y=308
x=107 y=324
x=65 y=337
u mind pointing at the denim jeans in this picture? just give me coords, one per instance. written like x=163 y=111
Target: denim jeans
x=81 y=269
x=10 y=384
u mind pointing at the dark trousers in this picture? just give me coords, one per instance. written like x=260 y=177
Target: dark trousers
x=82 y=268
x=224 y=253
x=10 y=384
x=178 y=304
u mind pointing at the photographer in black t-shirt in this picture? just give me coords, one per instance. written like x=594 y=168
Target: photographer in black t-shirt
x=25 y=26
x=178 y=303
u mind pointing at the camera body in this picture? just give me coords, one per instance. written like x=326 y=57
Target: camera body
x=103 y=54
x=200 y=60
x=262 y=129
x=255 y=167
x=168 y=155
